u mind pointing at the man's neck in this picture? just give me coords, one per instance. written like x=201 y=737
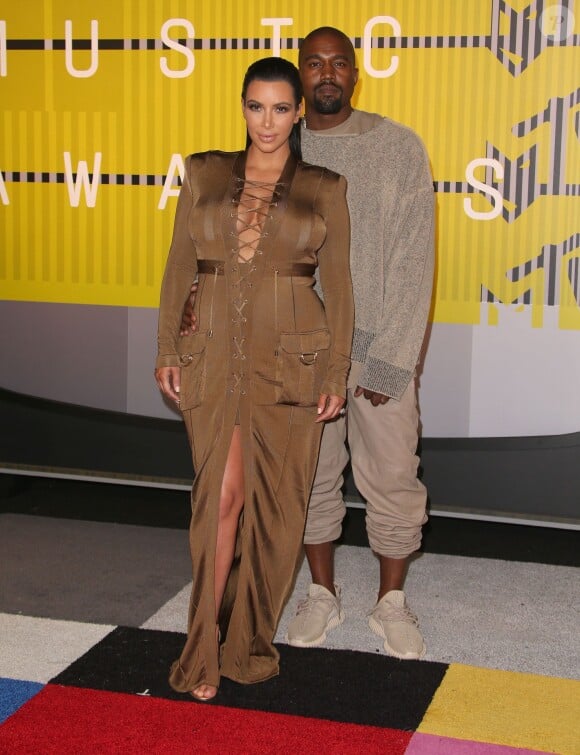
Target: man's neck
x=321 y=121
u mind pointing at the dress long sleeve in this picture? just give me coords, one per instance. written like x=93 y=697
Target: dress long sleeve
x=180 y=272
x=335 y=281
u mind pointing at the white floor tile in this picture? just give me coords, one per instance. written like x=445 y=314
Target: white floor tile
x=36 y=650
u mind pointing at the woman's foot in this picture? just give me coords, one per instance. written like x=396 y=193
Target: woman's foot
x=207 y=692
x=204 y=692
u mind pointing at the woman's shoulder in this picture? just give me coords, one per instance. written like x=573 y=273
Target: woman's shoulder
x=213 y=157
x=318 y=171
x=325 y=185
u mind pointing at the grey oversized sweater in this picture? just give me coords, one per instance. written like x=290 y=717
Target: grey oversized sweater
x=391 y=202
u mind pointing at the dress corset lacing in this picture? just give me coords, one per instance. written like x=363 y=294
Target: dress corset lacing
x=252 y=201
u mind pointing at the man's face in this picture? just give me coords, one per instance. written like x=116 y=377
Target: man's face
x=328 y=73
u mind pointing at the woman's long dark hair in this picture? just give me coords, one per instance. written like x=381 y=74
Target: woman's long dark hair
x=277 y=69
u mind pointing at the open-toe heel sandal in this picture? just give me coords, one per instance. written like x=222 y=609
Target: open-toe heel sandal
x=201 y=698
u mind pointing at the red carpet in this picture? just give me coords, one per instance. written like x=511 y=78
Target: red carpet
x=62 y=720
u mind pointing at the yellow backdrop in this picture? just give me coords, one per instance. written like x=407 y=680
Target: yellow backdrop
x=491 y=87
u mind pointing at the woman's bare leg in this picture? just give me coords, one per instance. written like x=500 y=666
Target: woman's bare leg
x=230 y=507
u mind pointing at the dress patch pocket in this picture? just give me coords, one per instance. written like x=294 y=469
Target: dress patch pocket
x=302 y=364
x=191 y=350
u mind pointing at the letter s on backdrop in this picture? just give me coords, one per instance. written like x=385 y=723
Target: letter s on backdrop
x=178 y=47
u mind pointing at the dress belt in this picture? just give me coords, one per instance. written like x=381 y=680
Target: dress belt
x=216 y=267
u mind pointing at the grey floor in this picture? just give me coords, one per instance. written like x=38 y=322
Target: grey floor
x=64 y=584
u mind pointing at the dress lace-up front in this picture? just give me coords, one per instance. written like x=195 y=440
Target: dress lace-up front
x=253 y=201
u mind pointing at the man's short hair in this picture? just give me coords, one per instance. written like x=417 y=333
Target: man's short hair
x=330 y=30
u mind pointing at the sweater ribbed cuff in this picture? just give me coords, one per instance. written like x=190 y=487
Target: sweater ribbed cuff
x=385 y=378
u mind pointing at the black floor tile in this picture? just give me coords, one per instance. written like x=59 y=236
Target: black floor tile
x=338 y=685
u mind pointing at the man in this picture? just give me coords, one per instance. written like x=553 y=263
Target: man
x=391 y=203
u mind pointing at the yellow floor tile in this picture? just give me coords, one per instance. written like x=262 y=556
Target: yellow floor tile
x=507 y=708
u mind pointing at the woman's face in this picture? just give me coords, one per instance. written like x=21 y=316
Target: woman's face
x=270 y=112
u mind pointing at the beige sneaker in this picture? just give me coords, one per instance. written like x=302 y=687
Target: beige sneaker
x=394 y=621
x=316 y=615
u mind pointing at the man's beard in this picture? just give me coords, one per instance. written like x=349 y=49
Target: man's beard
x=328 y=105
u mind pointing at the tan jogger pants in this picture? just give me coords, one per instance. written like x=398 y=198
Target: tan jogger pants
x=382 y=442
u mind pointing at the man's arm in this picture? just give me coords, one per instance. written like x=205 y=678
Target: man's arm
x=393 y=355
x=188 y=319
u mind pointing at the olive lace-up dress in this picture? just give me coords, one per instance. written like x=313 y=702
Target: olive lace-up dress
x=265 y=348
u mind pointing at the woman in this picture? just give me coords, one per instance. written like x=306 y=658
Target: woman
x=266 y=367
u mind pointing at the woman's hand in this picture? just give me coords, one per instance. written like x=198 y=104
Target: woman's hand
x=329 y=407
x=169 y=379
